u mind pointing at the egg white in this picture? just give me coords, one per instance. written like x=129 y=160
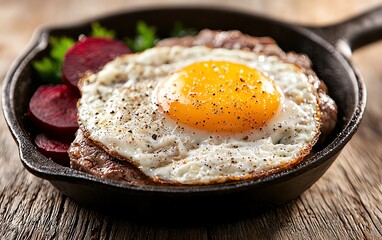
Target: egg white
x=118 y=112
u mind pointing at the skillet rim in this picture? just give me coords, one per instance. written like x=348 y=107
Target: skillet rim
x=52 y=171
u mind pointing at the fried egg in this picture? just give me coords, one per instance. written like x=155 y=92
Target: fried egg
x=196 y=115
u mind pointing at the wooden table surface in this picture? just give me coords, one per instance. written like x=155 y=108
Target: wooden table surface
x=346 y=203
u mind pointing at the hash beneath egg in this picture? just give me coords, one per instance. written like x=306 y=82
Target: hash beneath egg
x=174 y=122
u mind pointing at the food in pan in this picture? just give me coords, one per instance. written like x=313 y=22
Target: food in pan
x=199 y=115
x=217 y=107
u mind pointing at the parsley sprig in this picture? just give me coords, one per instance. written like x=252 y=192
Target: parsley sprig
x=49 y=68
x=179 y=30
x=99 y=31
x=145 y=38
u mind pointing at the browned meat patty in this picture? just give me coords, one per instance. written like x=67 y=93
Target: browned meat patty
x=88 y=157
x=266 y=46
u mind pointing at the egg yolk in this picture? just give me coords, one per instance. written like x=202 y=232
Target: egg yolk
x=219 y=96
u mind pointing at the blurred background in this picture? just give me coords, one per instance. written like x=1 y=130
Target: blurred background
x=346 y=199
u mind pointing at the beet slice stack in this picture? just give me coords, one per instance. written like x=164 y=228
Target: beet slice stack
x=53 y=108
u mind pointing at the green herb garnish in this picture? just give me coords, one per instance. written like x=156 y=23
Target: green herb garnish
x=180 y=31
x=145 y=38
x=49 y=68
x=99 y=31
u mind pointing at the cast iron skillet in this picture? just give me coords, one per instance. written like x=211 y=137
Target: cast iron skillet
x=329 y=48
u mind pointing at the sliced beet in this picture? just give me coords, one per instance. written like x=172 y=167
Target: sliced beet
x=53 y=108
x=54 y=149
x=89 y=54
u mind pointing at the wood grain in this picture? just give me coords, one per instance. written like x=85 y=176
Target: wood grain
x=344 y=204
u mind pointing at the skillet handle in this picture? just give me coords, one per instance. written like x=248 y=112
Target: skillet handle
x=353 y=33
